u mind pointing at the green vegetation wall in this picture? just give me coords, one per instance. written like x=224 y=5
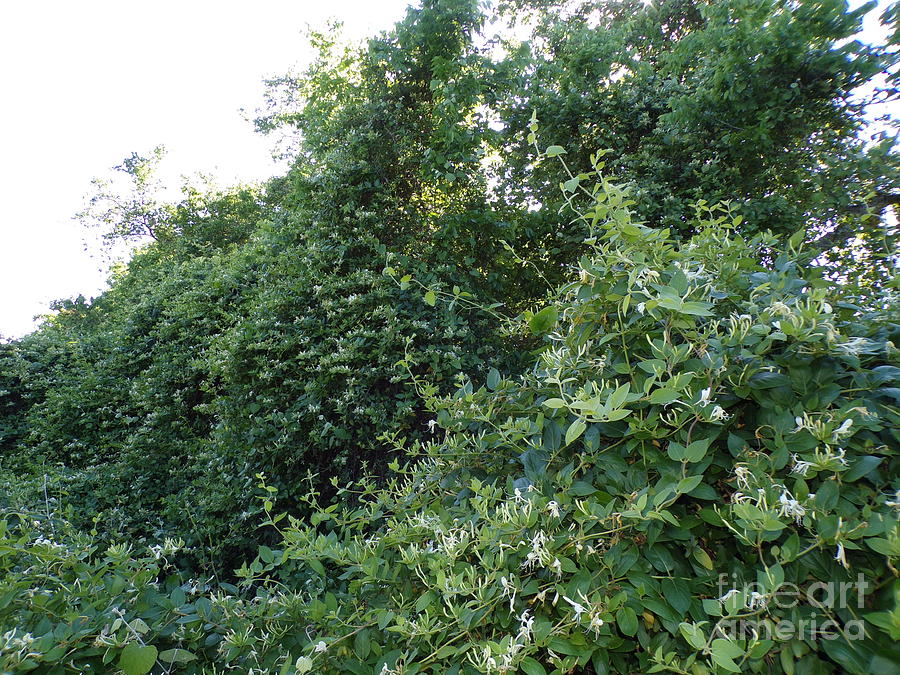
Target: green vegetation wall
x=254 y=330
x=698 y=474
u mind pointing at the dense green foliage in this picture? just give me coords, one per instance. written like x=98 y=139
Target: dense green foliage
x=696 y=417
x=464 y=409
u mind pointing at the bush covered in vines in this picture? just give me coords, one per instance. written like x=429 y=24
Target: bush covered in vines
x=697 y=475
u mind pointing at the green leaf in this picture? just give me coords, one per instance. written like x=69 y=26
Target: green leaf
x=768 y=380
x=532 y=667
x=571 y=185
x=555 y=151
x=617 y=398
x=827 y=495
x=703 y=558
x=862 y=467
x=493 y=379
x=582 y=489
x=362 y=644
x=663 y=396
x=723 y=654
x=696 y=308
x=689 y=483
x=544 y=320
x=555 y=403
x=883 y=546
x=697 y=450
x=575 y=430
x=616 y=415
x=676 y=451
x=430 y=298
x=425 y=600
x=138 y=660
x=693 y=634
x=177 y=656
x=627 y=620
x=140 y=626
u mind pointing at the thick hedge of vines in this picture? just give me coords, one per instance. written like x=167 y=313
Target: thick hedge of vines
x=444 y=399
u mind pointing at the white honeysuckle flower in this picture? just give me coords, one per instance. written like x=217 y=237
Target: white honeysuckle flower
x=790 y=507
x=578 y=607
x=695 y=274
x=526 y=623
x=844 y=429
x=718 y=414
x=742 y=475
x=757 y=600
x=641 y=307
x=740 y=498
x=704 y=396
x=509 y=591
x=321 y=646
x=841 y=556
x=855 y=346
x=781 y=308
x=895 y=502
x=596 y=622
x=799 y=466
x=730 y=594
x=553 y=509
x=431 y=425
x=761 y=500
x=556 y=566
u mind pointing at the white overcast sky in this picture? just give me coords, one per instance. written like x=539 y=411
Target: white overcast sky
x=83 y=84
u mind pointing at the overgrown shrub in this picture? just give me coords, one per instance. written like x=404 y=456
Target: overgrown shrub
x=702 y=461
x=699 y=475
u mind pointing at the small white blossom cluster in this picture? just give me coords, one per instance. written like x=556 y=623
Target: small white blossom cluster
x=593 y=611
x=553 y=509
x=644 y=276
x=856 y=345
x=831 y=459
x=697 y=273
x=169 y=546
x=780 y=309
x=15 y=647
x=539 y=556
x=427 y=521
x=754 y=600
x=742 y=476
x=788 y=506
x=515 y=510
x=453 y=541
x=505 y=661
x=48 y=543
x=823 y=429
